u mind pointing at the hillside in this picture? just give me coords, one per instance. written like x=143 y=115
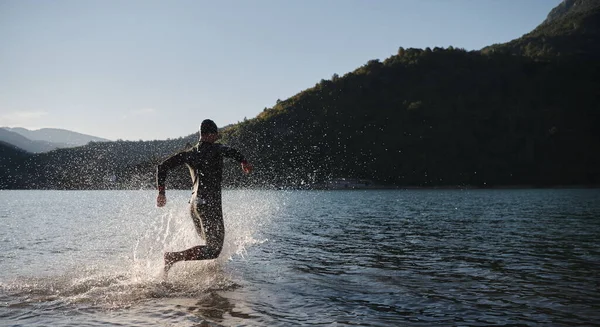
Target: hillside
x=436 y=117
x=571 y=7
x=61 y=137
x=572 y=29
x=24 y=143
x=100 y=165
x=521 y=113
x=11 y=164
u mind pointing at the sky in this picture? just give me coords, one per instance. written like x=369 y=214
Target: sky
x=153 y=70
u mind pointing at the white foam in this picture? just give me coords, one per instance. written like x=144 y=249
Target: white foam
x=123 y=279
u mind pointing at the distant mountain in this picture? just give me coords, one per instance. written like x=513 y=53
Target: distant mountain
x=26 y=144
x=62 y=137
x=572 y=29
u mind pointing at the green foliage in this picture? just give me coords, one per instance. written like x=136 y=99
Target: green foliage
x=573 y=33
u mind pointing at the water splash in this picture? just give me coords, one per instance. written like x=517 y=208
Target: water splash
x=120 y=278
x=245 y=215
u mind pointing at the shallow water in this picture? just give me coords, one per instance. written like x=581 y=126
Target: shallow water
x=370 y=258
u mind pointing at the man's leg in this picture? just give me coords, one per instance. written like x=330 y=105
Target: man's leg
x=208 y=220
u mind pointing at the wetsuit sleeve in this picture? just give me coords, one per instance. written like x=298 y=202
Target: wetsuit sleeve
x=232 y=153
x=164 y=167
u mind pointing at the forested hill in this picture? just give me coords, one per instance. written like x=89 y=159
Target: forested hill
x=422 y=117
x=436 y=117
x=521 y=113
x=98 y=165
x=572 y=29
x=11 y=163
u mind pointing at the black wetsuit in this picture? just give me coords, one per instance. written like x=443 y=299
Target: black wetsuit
x=205 y=162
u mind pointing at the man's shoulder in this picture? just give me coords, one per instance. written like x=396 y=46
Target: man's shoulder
x=220 y=146
x=206 y=148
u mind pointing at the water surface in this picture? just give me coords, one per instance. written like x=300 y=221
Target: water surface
x=368 y=258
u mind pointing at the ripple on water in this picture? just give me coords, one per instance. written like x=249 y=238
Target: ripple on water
x=439 y=258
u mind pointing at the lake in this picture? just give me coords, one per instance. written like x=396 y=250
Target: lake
x=336 y=258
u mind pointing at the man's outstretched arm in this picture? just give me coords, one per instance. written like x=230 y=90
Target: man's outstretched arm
x=238 y=156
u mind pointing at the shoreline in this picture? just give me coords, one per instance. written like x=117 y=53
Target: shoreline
x=367 y=188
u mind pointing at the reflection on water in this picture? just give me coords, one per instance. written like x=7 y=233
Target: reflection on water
x=371 y=258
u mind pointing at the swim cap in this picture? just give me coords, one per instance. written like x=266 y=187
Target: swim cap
x=208 y=127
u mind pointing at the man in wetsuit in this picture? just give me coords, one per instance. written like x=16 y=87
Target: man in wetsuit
x=205 y=162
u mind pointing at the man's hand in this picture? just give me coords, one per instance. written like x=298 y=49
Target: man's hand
x=161 y=200
x=246 y=167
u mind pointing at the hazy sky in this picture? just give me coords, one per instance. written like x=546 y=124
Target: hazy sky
x=154 y=69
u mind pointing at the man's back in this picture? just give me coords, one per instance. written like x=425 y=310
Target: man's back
x=206 y=166
x=205 y=162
